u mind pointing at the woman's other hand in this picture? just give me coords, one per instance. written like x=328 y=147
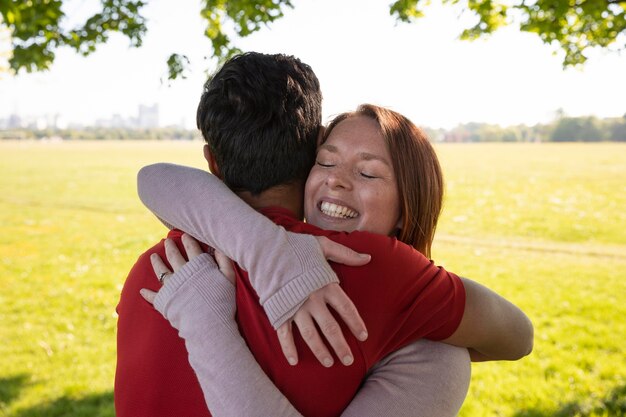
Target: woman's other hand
x=177 y=260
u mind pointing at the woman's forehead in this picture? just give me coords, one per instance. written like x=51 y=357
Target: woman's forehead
x=357 y=135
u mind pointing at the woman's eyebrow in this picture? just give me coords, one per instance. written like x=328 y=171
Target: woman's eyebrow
x=329 y=148
x=366 y=156
x=371 y=157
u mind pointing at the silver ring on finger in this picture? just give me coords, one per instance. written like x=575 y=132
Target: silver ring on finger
x=162 y=276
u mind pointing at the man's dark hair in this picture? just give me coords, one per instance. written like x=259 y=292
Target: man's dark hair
x=260 y=115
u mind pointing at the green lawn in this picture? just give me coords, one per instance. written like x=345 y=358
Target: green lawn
x=544 y=225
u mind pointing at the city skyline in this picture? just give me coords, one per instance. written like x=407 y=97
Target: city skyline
x=147 y=117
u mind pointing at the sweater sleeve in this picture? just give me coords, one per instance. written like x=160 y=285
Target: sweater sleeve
x=423 y=379
x=200 y=303
x=426 y=378
x=284 y=267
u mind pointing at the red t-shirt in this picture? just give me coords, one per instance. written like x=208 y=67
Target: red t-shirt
x=401 y=296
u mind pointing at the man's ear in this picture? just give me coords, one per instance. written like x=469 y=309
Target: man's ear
x=210 y=158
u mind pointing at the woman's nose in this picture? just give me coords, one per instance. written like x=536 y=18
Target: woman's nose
x=338 y=179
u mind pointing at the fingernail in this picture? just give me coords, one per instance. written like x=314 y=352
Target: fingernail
x=328 y=362
x=347 y=360
x=292 y=361
x=363 y=336
x=364 y=255
x=142 y=292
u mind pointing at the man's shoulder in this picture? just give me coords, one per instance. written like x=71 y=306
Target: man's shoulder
x=391 y=260
x=372 y=241
x=381 y=247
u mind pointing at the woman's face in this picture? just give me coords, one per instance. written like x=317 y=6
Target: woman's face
x=353 y=185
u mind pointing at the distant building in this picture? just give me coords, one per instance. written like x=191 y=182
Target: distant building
x=15 y=121
x=118 y=121
x=59 y=122
x=148 y=116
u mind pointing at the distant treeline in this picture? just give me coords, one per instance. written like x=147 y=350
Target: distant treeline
x=563 y=129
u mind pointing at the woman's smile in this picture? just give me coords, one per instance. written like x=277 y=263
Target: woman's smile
x=337 y=210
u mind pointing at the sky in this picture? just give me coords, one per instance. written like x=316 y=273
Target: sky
x=359 y=53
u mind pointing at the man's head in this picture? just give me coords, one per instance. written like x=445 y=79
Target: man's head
x=260 y=116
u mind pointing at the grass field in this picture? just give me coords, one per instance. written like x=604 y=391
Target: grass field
x=544 y=225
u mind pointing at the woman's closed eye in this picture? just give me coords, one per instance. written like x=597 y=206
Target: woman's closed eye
x=368 y=176
x=325 y=164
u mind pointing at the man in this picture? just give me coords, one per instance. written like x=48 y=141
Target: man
x=260 y=116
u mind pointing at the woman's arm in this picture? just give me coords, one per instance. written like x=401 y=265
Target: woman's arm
x=284 y=268
x=492 y=327
x=422 y=379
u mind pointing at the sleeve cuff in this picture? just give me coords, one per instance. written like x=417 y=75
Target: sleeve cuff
x=202 y=263
x=198 y=280
x=283 y=304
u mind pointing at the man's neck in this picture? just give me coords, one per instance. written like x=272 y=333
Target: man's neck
x=287 y=196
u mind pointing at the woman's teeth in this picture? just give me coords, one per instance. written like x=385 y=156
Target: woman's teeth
x=333 y=210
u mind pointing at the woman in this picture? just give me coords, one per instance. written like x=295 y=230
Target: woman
x=364 y=179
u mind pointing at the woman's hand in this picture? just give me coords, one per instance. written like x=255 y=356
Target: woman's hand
x=177 y=260
x=315 y=311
